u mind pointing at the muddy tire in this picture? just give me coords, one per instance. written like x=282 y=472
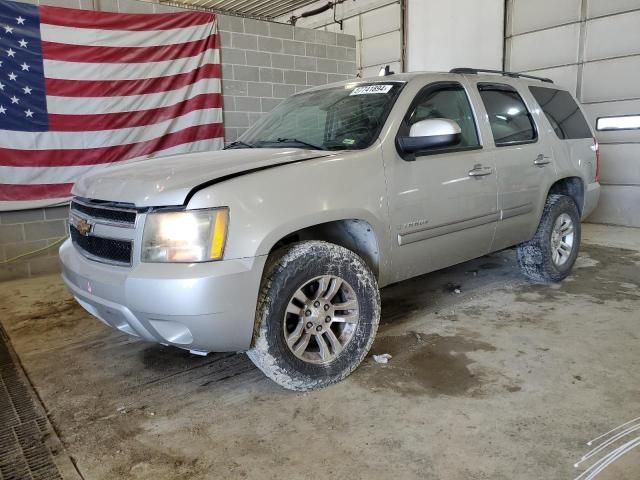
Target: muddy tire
x=317 y=315
x=551 y=253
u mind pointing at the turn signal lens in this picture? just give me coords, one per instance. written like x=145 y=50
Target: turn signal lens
x=219 y=239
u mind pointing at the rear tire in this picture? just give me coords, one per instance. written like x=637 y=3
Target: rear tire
x=317 y=315
x=551 y=253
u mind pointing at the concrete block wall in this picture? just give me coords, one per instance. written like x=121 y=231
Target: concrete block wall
x=26 y=231
x=264 y=63
x=377 y=26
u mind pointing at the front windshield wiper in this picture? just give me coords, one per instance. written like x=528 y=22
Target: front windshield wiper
x=239 y=143
x=295 y=140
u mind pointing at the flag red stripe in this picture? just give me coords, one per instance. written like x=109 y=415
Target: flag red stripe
x=112 y=121
x=117 y=88
x=36 y=191
x=68 y=17
x=99 y=54
x=93 y=156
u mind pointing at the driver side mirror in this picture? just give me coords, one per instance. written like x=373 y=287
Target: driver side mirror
x=430 y=133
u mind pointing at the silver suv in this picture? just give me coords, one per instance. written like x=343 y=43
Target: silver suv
x=278 y=245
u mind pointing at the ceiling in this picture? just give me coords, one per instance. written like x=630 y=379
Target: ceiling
x=266 y=9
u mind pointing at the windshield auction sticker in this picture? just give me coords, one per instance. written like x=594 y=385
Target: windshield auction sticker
x=369 y=89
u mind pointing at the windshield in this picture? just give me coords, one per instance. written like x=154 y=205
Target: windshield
x=341 y=118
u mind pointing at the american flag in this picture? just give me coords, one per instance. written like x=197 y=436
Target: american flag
x=82 y=89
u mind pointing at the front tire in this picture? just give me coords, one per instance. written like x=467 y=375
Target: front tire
x=317 y=315
x=551 y=253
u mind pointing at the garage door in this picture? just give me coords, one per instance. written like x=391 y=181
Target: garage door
x=593 y=48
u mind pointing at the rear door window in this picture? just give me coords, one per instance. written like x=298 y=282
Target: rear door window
x=511 y=123
x=563 y=113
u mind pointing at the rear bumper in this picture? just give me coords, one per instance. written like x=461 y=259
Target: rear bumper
x=203 y=307
x=591 y=197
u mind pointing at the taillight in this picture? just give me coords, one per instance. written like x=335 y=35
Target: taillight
x=596 y=148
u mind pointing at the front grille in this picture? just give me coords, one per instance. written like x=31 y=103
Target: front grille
x=108 y=249
x=105 y=212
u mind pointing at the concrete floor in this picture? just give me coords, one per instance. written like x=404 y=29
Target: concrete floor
x=506 y=380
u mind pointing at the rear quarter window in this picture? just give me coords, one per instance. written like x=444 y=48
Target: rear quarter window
x=563 y=113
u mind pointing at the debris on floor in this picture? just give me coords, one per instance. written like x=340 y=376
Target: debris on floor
x=384 y=358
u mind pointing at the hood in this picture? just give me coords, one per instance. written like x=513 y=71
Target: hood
x=168 y=180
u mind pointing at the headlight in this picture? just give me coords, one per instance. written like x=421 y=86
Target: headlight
x=189 y=236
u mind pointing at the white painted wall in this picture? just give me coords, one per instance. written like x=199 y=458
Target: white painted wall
x=443 y=34
x=440 y=34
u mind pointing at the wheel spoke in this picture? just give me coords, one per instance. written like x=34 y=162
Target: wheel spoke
x=350 y=318
x=301 y=296
x=324 y=348
x=556 y=256
x=293 y=308
x=336 y=346
x=323 y=283
x=348 y=305
x=335 y=285
x=567 y=229
x=300 y=348
x=296 y=334
x=565 y=248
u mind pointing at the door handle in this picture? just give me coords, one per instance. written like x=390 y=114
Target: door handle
x=480 y=171
x=541 y=160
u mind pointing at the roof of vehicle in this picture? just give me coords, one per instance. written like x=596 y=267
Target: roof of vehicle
x=407 y=77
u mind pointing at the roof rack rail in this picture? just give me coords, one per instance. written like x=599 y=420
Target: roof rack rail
x=475 y=71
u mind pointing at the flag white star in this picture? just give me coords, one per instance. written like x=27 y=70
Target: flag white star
x=15 y=99
x=11 y=53
x=28 y=113
x=20 y=20
x=24 y=66
x=3 y=110
x=8 y=29
x=13 y=76
x=23 y=43
x=1 y=86
x=0 y=63
x=27 y=90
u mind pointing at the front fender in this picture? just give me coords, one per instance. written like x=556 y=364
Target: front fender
x=268 y=205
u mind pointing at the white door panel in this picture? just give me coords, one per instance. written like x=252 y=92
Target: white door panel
x=597 y=84
x=613 y=36
x=546 y=48
x=598 y=8
x=527 y=15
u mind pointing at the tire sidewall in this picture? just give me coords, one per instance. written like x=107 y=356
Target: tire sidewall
x=568 y=206
x=298 y=266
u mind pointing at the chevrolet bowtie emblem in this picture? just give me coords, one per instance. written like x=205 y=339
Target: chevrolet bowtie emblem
x=83 y=227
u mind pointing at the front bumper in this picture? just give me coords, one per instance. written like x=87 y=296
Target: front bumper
x=203 y=307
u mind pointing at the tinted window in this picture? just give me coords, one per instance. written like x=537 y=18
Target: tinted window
x=509 y=118
x=448 y=102
x=562 y=112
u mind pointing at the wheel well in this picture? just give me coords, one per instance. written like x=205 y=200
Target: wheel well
x=572 y=187
x=356 y=235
